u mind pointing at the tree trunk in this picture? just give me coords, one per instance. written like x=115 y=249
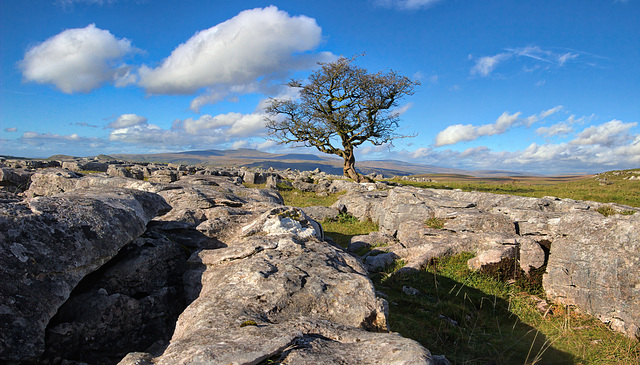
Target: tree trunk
x=350 y=166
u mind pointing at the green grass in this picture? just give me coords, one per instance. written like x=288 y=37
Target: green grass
x=474 y=318
x=345 y=227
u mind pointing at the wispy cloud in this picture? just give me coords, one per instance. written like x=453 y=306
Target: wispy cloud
x=543 y=59
x=11 y=129
x=485 y=65
x=70 y=3
x=406 y=4
x=83 y=124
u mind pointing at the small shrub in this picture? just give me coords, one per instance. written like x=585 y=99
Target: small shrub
x=345 y=217
x=628 y=212
x=606 y=211
x=435 y=223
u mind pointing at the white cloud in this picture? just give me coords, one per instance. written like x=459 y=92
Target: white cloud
x=10 y=130
x=558 y=129
x=467 y=132
x=403 y=109
x=39 y=139
x=77 y=60
x=459 y=132
x=236 y=55
x=127 y=120
x=632 y=150
x=609 y=134
x=551 y=111
x=234 y=124
x=206 y=131
x=485 y=65
x=406 y=4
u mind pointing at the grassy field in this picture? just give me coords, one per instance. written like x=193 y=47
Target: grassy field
x=609 y=187
x=475 y=318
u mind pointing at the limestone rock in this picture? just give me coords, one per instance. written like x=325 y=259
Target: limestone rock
x=595 y=265
x=52 y=181
x=492 y=256
x=129 y=304
x=49 y=245
x=17 y=178
x=320 y=213
x=362 y=205
x=279 y=293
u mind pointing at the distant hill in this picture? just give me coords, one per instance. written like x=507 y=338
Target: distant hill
x=296 y=161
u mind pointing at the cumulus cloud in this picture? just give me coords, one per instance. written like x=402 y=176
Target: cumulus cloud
x=256 y=44
x=608 y=134
x=459 y=132
x=126 y=120
x=406 y=4
x=203 y=132
x=467 y=132
x=543 y=59
x=10 y=130
x=77 y=60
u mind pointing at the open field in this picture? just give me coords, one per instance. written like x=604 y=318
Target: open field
x=608 y=187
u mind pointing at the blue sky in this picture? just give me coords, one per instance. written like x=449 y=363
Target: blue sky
x=534 y=86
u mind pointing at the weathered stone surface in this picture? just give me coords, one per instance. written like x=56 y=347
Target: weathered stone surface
x=362 y=205
x=493 y=255
x=369 y=241
x=52 y=181
x=532 y=255
x=321 y=186
x=599 y=252
x=412 y=204
x=129 y=304
x=18 y=178
x=595 y=265
x=280 y=287
x=163 y=176
x=119 y=171
x=49 y=245
x=320 y=213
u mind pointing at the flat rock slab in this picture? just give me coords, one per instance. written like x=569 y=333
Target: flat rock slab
x=49 y=244
x=283 y=296
x=595 y=265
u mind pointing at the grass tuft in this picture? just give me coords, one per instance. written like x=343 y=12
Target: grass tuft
x=435 y=223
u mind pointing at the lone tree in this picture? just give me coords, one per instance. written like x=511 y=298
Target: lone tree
x=340 y=107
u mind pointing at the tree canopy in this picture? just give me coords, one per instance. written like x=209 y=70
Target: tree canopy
x=340 y=107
